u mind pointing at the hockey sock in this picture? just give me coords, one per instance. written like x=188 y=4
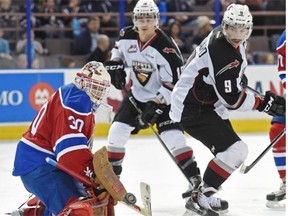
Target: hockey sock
x=215 y=173
x=279 y=149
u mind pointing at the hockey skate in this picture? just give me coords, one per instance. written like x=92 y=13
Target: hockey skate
x=203 y=203
x=274 y=199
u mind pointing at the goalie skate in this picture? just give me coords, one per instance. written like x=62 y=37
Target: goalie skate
x=277 y=198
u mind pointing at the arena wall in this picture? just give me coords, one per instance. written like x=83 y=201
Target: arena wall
x=22 y=92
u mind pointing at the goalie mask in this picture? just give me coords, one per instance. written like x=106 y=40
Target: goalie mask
x=145 y=9
x=94 y=80
x=237 y=23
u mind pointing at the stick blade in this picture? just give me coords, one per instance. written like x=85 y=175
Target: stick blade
x=243 y=169
x=146 y=197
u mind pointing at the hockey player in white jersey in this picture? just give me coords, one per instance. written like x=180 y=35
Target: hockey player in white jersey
x=208 y=88
x=152 y=58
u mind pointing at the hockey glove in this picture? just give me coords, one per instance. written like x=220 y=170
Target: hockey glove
x=151 y=113
x=273 y=105
x=117 y=73
x=244 y=80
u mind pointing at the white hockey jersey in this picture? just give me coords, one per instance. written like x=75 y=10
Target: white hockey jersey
x=210 y=80
x=153 y=65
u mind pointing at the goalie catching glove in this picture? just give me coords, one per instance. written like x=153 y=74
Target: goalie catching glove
x=150 y=114
x=117 y=73
x=273 y=105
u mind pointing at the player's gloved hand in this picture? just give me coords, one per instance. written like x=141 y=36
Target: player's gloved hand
x=117 y=73
x=244 y=80
x=273 y=105
x=151 y=113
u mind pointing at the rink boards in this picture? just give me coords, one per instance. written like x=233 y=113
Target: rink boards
x=22 y=92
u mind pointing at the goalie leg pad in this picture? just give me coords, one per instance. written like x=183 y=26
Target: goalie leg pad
x=106 y=176
x=34 y=201
x=86 y=206
x=29 y=211
x=35 y=207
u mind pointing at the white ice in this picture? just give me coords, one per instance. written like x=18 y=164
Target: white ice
x=147 y=161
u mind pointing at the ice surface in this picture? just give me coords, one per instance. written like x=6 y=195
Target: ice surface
x=146 y=160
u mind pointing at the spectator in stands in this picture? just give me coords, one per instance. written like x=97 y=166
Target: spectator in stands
x=62 y=3
x=202 y=2
x=129 y=6
x=273 y=5
x=268 y=58
x=204 y=24
x=22 y=62
x=4 y=47
x=102 y=6
x=53 y=25
x=180 y=6
x=76 y=23
x=175 y=31
x=102 y=52
x=249 y=55
x=8 y=20
x=36 y=46
x=108 y=22
x=68 y=62
x=34 y=20
x=86 y=42
x=225 y=3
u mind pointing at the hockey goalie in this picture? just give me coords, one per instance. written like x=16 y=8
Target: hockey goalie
x=63 y=131
x=103 y=192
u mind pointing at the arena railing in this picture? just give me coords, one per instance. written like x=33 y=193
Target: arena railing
x=18 y=29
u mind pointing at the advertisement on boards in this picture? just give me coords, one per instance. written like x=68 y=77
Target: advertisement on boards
x=22 y=94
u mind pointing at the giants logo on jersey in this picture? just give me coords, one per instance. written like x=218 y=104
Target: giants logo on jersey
x=142 y=71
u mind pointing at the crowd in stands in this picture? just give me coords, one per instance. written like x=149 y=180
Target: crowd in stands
x=91 y=37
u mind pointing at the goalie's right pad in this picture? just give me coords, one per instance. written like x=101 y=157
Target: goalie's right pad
x=86 y=206
x=106 y=176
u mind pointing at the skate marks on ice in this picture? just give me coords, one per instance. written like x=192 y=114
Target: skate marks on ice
x=147 y=161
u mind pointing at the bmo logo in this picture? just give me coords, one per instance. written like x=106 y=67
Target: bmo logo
x=39 y=94
x=11 y=97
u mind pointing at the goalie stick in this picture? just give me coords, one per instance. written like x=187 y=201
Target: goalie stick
x=245 y=169
x=130 y=199
x=146 y=197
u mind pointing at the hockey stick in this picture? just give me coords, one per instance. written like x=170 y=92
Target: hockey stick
x=30 y=195
x=252 y=90
x=141 y=210
x=245 y=169
x=134 y=103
